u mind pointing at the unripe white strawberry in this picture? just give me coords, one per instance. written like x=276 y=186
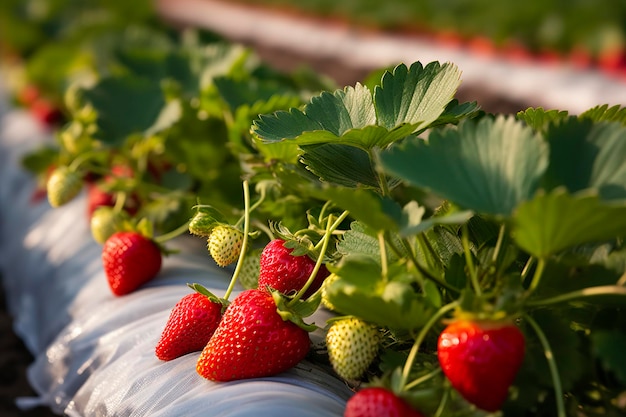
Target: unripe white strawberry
x=201 y=224
x=225 y=244
x=104 y=222
x=249 y=274
x=352 y=346
x=63 y=185
x=327 y=282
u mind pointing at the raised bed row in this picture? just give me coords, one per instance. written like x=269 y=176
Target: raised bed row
x=94 y=351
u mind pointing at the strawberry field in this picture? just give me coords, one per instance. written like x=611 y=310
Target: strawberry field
x=222 y=235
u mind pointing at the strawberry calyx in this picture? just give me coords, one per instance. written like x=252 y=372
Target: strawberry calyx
x=212 y=297
x=296 y=312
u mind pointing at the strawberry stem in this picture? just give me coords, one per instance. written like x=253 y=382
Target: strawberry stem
x=422 y=379
x=254 y=206
x=406 y=371
x=174 y=233
x=244 y=243
x=444 y=400
x=541 y=264
x=318 y=264
x=554 y=372
x=470 y=262
x=574 y=295
x=383 y=255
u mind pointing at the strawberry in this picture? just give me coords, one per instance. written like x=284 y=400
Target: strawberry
x=352 y=346
x=286 y=273
x=249 y=273
x=201 y=224
x=481 y=359
x=189 y=327
x=63 y=185
x=105 y=221
x=97 y=197
x=252 y=340
x=378 y=402
x=130 y=260
x=225 y=244
x=46 y=112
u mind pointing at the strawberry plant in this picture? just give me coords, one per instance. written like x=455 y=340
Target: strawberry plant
x=474 y=262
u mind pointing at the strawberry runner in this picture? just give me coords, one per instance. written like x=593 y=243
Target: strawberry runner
x=95 y=352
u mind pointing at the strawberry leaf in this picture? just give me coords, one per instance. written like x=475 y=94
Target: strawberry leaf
x=615 y=113
x=362 y=291
x=555 y=221
x=488 y=166
x=608 y=347
x=539 y=119
x=114 y=98
x=416 y=95
x=585 y=155
x=341 y=165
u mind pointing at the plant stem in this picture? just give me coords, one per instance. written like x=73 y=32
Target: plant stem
x=498 y=248
x=420 y=338
x=244 y=243
x=541 y=264
x=574 y=295
x=529 y=263
x=174 y=233
x=330 y=227
x=422 y=378
x=554 y=372
x=383 y=255
x=470 y=262
x=253 y=207
x=443 y=402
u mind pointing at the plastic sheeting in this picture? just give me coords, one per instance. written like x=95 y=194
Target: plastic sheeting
x=94 y=351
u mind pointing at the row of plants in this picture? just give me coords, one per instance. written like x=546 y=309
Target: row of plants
x=581 y=33
x=474 y=261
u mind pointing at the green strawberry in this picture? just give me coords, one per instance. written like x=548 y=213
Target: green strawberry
x=327 y=282
x=130 y=260
x=352 y=346
x=225 y=244
x=252 y=340
x=63 y=185
x=201 y=224
x=249 y=274
x=104 y=222
x=378 y=402
x=189 y=327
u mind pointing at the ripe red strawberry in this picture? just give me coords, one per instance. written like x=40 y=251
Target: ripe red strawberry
x=252 y=341
x=130 y=260
x=286 y=273
x=378 y=402
x=481 y=359
x=189 y=327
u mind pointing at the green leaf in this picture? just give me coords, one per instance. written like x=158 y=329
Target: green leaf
x=417 y=95
x=378 y=213
x=603 y=112
x=539 y=119
x=554 y=221
x=608 y=347
x=361 y=291
x=585 y=155
x=456 y=218
x=341 y=165
x=456 y=111
x=125 y=105
x=169 y=115
x=489 y=166
x=359 y=240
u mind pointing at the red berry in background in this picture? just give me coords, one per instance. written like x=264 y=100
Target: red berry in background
x=189 y=327
x=481 y=359
x=27 y=95
x=46 y=112
x=252 y=340
x=130 y=260
x=286 y=273
x=97 y=197
x=378 y=402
